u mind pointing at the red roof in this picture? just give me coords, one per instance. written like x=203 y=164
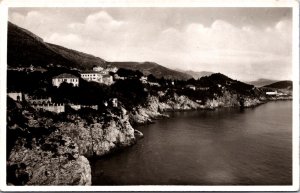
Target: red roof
x=65 y=75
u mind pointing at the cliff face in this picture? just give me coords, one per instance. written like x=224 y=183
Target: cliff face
x=100 y=137
x=55 y=162
x=48 y=151
x=154 y=108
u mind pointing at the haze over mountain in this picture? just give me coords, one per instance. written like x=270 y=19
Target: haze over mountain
x=262 y=82
x=286 y=84
x=197 y=75
x=26 y=48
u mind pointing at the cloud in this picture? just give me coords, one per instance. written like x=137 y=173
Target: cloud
x=243 y=52
x=68 y=40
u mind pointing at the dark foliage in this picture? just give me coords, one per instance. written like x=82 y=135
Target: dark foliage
x=130 y=92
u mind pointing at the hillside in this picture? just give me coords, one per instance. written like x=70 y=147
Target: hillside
x=262 y=82
x=152 y=68
x=197 y=75
x=287 y=84
x=25 y=48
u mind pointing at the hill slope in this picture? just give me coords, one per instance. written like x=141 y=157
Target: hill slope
x=197 y=75
x=286 y=84
x=262 y=82
x=25 y=48
x=152 y=68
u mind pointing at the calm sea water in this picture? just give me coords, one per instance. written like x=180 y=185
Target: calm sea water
x=221 y=147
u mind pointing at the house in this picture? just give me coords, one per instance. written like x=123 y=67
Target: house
x=117 y=77
x=191 y=87
x=144 y=79
x=68 y=78
x=203 y=88
x=31 y=67
x=97 y=68
x=154 y=84
x=17 y=96
x=112 y=69
x=107 y=79
x=39 y=100
x=114 y=102
x=273 y=93
x=53 y=107
x=92 y=76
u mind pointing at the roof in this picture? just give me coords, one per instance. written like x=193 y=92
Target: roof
x=65 y=75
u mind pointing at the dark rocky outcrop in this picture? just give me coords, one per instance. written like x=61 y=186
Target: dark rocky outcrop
x=50 y=150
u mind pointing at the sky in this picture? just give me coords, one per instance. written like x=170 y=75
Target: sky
x=243 y=43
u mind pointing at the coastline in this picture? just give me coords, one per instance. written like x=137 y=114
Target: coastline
x=97 y=138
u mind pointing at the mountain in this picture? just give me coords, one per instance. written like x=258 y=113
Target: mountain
x=286 y=84
x=197 y=75
x=152 y=68
x=261 y=82
x=25 y=48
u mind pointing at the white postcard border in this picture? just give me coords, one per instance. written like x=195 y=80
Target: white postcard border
x=4 y=5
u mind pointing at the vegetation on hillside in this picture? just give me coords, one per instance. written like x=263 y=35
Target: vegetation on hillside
x=281 y=85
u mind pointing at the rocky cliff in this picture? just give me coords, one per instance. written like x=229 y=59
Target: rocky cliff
x=155 y=108
x=52 y=150
x=55 y=162
x=99 y=137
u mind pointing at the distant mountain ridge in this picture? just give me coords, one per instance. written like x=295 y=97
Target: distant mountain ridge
x=152 y=68
x=262 y=82
x=26 y=48
x=197 y=75
x=286 y=84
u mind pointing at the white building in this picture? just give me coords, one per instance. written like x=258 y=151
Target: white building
x=97 y=68
x=68 y=78
x=17 y=96
x=108 y=79
x=271 y=93
x=192 y=87
x=92 y=76
x=144 y=79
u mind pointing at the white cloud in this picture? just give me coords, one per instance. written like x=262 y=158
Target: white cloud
x=239 y=51
x=68 y=40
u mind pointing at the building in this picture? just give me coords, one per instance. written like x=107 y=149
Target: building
x=68 y=78
x=97 y=68
x=203 y=88
x=114 y=102
x=39 y=100
x=112 y=69
x=274 y=93
x=191 y=87
x=17 y=96
x=56 y=108
x=107 y=79
x=144 y=79
x=92 y=76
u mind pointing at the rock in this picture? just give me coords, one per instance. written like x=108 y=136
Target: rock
x=99 y=139
x=138 y=134
x=43 y=167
